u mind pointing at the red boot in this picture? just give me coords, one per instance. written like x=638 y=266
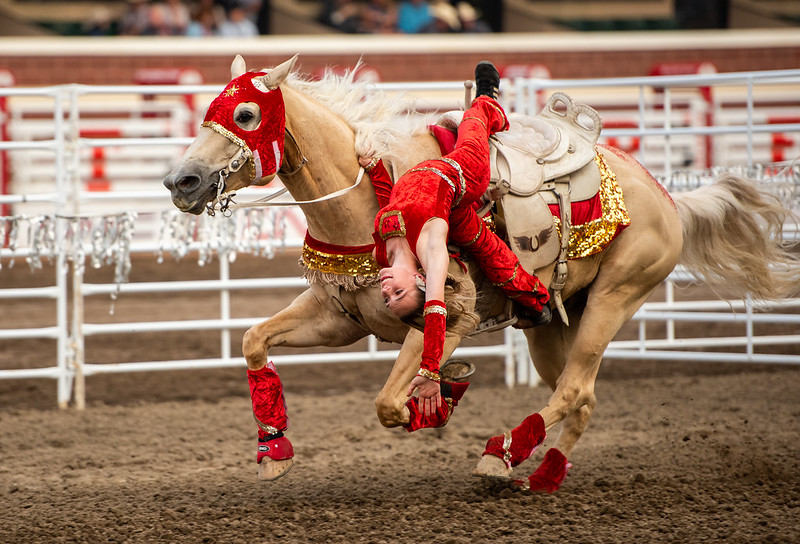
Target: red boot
x=518 y=444
x=550 y=474
x=451 y=394
x=275 y=446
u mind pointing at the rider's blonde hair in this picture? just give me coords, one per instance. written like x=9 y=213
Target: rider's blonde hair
x=459 y=298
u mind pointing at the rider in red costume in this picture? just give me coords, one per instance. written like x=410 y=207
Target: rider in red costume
x=430 y=205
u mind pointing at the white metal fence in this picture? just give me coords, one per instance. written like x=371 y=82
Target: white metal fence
x=83 y=165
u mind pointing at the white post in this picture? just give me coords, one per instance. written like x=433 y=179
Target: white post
x=225 y=302
x=510 y=359
x=64 y=388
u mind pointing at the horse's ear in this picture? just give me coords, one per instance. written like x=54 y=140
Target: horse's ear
x=238 y=67
x=276 y=76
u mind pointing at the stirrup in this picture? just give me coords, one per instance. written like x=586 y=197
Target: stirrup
x=457 y=370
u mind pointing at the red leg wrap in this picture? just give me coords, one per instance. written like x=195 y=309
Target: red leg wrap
x=518 y=444
x=418 y=420
x=550 y=474
x=269 y=410
x=266 y=392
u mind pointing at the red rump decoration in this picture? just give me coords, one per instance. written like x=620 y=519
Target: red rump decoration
x=265 y=142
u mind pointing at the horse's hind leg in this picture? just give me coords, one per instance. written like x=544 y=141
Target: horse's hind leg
x=549 y=346
x=309 y=321
x=549 y=349
x=577 y=351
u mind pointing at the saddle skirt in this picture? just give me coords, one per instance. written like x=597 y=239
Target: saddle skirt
x=557 y=144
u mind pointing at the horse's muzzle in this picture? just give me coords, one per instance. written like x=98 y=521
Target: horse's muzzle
x=187 y=191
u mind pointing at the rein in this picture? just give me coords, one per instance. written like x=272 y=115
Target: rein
x=225 y=200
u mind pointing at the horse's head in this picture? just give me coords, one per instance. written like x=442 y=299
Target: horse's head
x=240 y=142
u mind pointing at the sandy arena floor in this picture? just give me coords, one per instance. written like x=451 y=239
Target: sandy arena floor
x=676 y=452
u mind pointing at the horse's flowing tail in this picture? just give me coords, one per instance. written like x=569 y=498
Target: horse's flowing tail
x=732 y=238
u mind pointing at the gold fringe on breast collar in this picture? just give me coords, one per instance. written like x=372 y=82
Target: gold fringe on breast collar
x=347 y=269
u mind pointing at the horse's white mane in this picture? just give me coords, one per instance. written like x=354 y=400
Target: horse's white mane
x=384 y=125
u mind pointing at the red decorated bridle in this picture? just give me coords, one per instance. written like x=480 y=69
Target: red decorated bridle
x=262 y=148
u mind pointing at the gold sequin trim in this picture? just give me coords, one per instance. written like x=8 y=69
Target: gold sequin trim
x=488 y=220
x=476 y=119
x=355 y=264
x=445 y=177
x=269 y=429
x=475 y=238
x=461 y=179
x=425 y=373
x=434 y=310
x=509 y=280
x=216 y=127
x=592 y=237
x=401 y=227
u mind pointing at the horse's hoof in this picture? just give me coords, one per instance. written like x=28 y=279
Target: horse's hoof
x=269 y=469
x=492 y=467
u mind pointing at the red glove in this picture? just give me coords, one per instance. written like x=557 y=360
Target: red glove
x=435 y=314
x=451 y=394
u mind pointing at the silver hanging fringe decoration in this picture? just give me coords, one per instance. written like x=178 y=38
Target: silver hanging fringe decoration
x=252 y=231
x=103 y=239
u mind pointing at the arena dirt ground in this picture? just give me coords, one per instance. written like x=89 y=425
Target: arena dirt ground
x=676 y=452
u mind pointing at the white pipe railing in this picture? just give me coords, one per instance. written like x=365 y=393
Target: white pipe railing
x=66 y=200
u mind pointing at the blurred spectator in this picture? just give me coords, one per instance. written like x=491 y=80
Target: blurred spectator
x=176 y=17
x=135 y=18
x=470 y=19
x=157 y=24
x=702 y=14
x=378 y=17
x=445 y=19
x=491 y=12
x=264 y=17
x=413 y=16
x=99 y=23
x=238 y=25
x=343 y=15
x=203 y=23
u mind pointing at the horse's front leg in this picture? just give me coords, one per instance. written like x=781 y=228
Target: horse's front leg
x=391 y=401
x=310 y=320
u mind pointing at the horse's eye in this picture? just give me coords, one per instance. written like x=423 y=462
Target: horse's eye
x=245 y=116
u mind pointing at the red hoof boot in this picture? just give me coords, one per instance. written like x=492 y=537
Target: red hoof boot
x=518 y=444
x=451 y=394
x=275 y=446
x=550 y=474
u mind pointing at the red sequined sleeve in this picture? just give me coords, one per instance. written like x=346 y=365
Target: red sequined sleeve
x=381 y=180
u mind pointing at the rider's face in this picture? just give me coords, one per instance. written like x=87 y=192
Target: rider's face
x=399 y=290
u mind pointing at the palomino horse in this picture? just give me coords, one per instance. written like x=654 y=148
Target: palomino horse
x=728 y=233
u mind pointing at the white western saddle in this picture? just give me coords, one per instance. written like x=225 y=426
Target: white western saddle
x=542 y=160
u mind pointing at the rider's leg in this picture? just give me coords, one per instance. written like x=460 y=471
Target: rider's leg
x=500 y=265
